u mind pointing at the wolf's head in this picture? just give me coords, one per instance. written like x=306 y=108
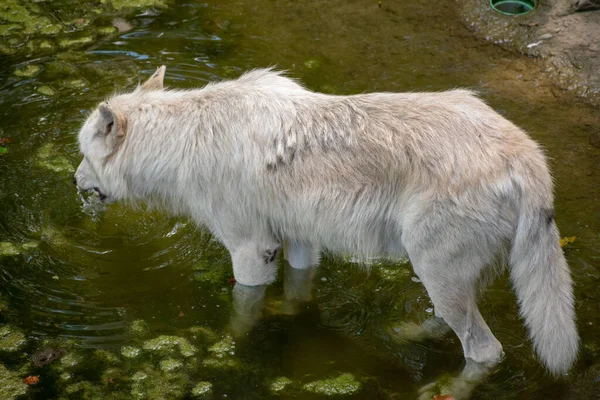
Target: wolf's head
x=101 y=140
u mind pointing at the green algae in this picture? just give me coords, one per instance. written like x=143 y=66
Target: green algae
x=221 y=363
x=11 y=384
x=11 y=339
x=130 y=352
x=134 y=4
x=75 y=42
x=138 y=328
x=75 y=83
x=59 y=68
x=151 y=384
x=223 y=348
x=344 y=384
x=170 y=365
x=203 y=334
x=85 y=390
x=46 y=90
x=69 y=362
x=167 y=345
x=8 y=249
x=25 y=14
x=29 y=71
x=49 y=158
x=202 y=390
x=279 y=384
x=107 y=30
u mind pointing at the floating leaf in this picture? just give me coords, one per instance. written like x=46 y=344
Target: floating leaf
x=3 y=149
x=567 y=240
x=443 y=397
x=32 y=379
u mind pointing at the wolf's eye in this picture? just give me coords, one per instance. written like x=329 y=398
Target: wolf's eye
x=109 y=127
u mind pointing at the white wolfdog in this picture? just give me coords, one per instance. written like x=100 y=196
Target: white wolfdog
x=262 y=161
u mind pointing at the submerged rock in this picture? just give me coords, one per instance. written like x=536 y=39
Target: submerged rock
x=11 y=339
x=11 y=384
x=46 y=356
x=344 y=384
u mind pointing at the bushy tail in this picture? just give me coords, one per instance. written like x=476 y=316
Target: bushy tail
x=542 y=280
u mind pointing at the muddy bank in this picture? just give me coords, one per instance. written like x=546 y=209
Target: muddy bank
x=567 y=41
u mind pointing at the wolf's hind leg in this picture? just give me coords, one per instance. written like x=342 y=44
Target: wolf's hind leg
x=452 y=287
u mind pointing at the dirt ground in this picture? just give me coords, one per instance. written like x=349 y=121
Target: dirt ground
x=567 y=41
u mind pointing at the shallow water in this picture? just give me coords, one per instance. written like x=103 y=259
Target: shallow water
x=85 y=272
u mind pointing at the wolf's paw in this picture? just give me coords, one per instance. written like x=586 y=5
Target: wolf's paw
x=460 y=387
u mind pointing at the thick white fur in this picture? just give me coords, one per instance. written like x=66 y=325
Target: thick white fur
x=262 y=161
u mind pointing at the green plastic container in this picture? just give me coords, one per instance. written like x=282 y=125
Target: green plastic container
x=513 y=7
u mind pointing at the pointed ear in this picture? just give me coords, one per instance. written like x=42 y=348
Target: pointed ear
x=111 y=122
x=155 y=82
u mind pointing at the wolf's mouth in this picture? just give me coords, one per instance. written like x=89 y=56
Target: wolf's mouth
x=101 y=195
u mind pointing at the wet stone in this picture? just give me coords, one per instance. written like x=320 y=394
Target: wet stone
x=46 y=356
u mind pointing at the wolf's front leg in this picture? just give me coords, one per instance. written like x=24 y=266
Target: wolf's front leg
x=254 y=262
x=301 y=255
x=248 y=303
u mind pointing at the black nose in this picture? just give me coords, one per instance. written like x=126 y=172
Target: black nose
x=75 y=181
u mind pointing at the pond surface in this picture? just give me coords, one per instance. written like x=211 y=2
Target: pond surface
x=138 y=305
